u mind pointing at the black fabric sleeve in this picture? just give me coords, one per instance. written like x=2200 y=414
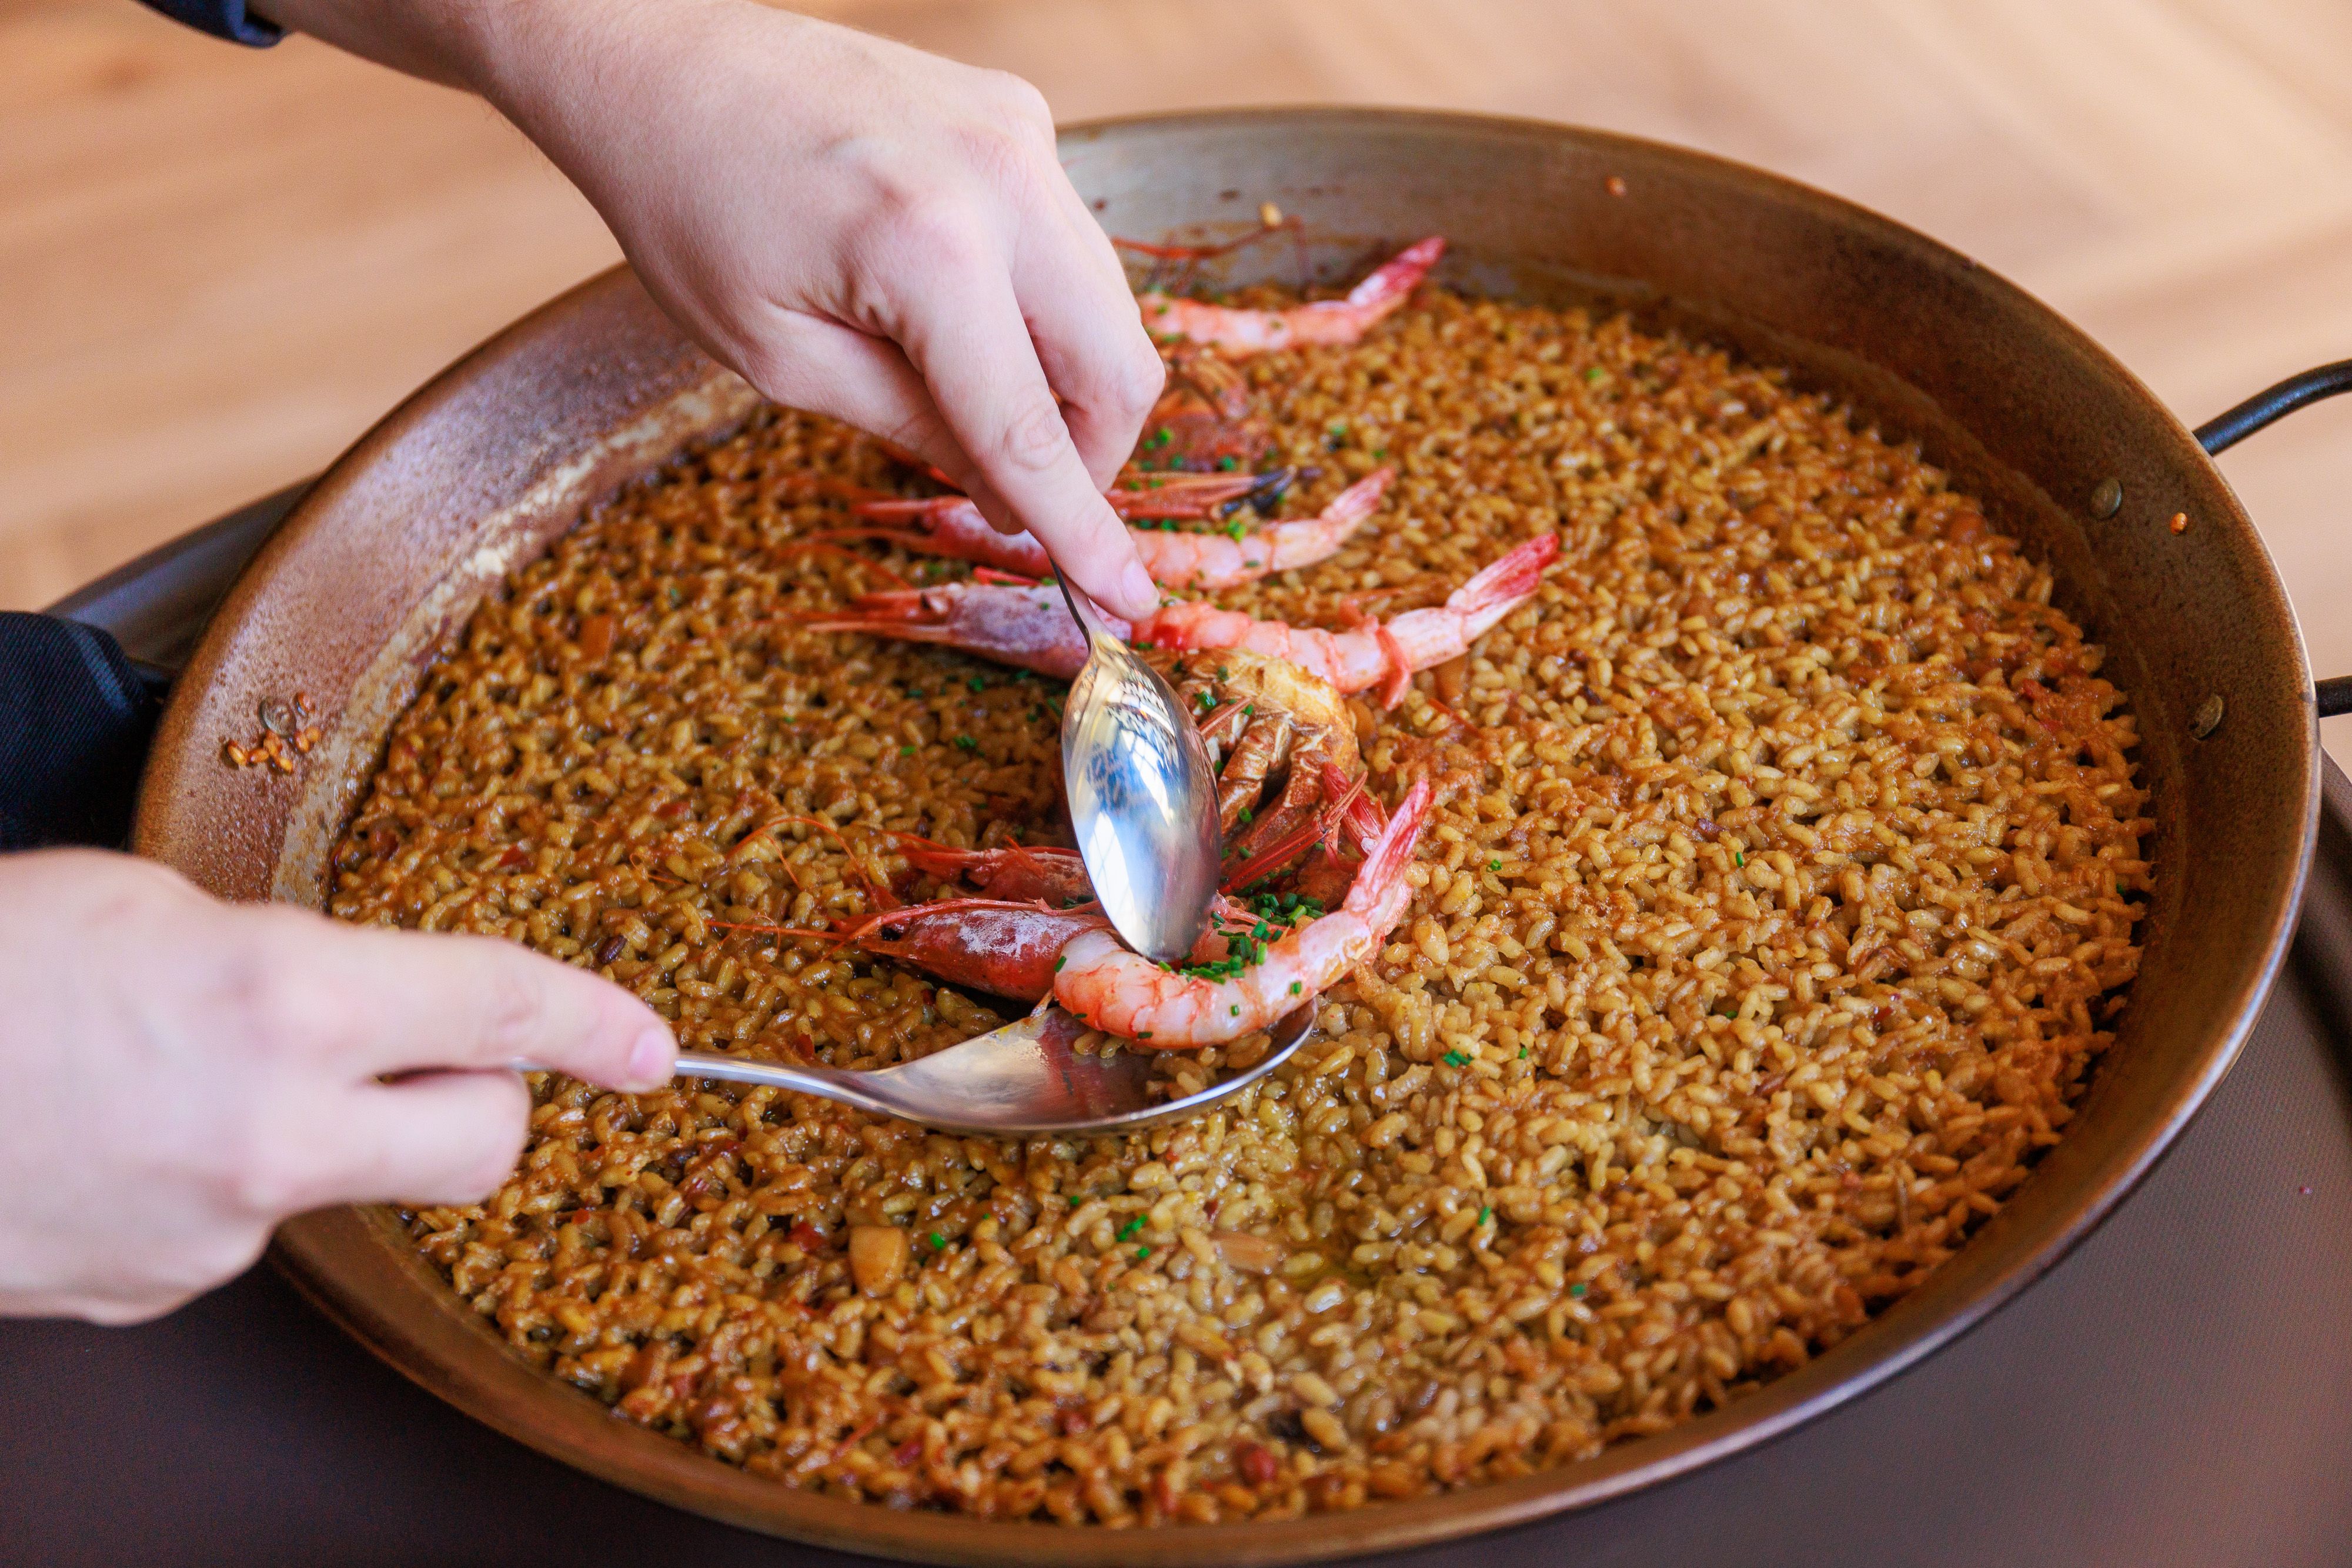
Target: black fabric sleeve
x=74 y=720
x=222 y=18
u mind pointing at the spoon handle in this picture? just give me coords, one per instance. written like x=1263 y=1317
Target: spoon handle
x=826 y=1082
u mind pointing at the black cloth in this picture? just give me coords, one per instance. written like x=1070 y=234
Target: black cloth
x=75 y=716
x=222 y=18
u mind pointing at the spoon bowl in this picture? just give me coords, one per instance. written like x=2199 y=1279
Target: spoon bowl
x=1144 y=799
x=1024 y=1080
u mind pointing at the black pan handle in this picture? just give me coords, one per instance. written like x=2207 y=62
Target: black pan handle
x=2265 y=408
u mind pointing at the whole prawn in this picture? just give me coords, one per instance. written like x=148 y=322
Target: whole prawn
x=1024 y=624
x=1239 y=332
x=1379 y=653
x=1125 y=994
x=951 y=526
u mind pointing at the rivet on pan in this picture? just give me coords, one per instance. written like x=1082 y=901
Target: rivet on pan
x=2208 y=719
x=2108 y=499
x=277 y=719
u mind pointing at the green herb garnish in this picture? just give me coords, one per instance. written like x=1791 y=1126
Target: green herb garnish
x=1455 y=1059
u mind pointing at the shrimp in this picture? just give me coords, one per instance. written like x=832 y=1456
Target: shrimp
x=952 y=526
x=993 y=944
x=1383 y=654
x=1125 y=994
x=1025 y=873
x=996 y=945
x=1024 y=624
x=1337 y=321
x=1205 y=420
x=1197 y=560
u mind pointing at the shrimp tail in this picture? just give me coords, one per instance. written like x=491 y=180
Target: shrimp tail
x=1387 y=286
x=1505 y=582
x=1381 y=882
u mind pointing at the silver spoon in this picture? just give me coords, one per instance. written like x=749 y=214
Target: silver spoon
x=1018 y=1081
x=1143 y=801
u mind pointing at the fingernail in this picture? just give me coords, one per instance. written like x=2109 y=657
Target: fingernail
x=1137 y=590
x=649 y=1059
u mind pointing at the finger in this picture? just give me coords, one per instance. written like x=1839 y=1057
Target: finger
x=442 y=1138
x=805 y=361
x=414 y=1002
x=966 y=337
x=1090 y=340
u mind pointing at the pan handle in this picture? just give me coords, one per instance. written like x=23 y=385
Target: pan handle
x=2265 y=408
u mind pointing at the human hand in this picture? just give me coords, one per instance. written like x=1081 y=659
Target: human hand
x=181 y=1074
x=860 y=228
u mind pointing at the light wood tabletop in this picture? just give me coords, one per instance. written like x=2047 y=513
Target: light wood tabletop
x=218 y=266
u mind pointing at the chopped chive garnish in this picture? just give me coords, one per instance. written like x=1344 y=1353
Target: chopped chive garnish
x=978 y=684
x=1059 y=962
x=1494 y=865
x=939 y=1242
x=1237 y=1009
x=1142 y=1253
x=1455 y=1058
x=1227 y=463
x=906 y=751
x=1523 y=1054
x=1577 y=1289
x=1739 y=859
x=1594 y=374
x=1293 y=987
x=967 y=743
x=1485 y=1214
x=1126 y=1231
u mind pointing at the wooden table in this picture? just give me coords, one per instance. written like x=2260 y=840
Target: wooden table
x=218 y=266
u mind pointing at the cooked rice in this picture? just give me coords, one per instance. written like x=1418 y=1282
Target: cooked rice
x=1779 y=898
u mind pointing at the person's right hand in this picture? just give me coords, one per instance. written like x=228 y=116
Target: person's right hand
x=181 y=1074
x=860 y=228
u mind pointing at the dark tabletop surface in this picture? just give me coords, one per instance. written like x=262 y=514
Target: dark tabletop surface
x=2179 y=1391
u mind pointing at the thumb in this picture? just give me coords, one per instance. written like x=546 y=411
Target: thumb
x=422 y=1002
